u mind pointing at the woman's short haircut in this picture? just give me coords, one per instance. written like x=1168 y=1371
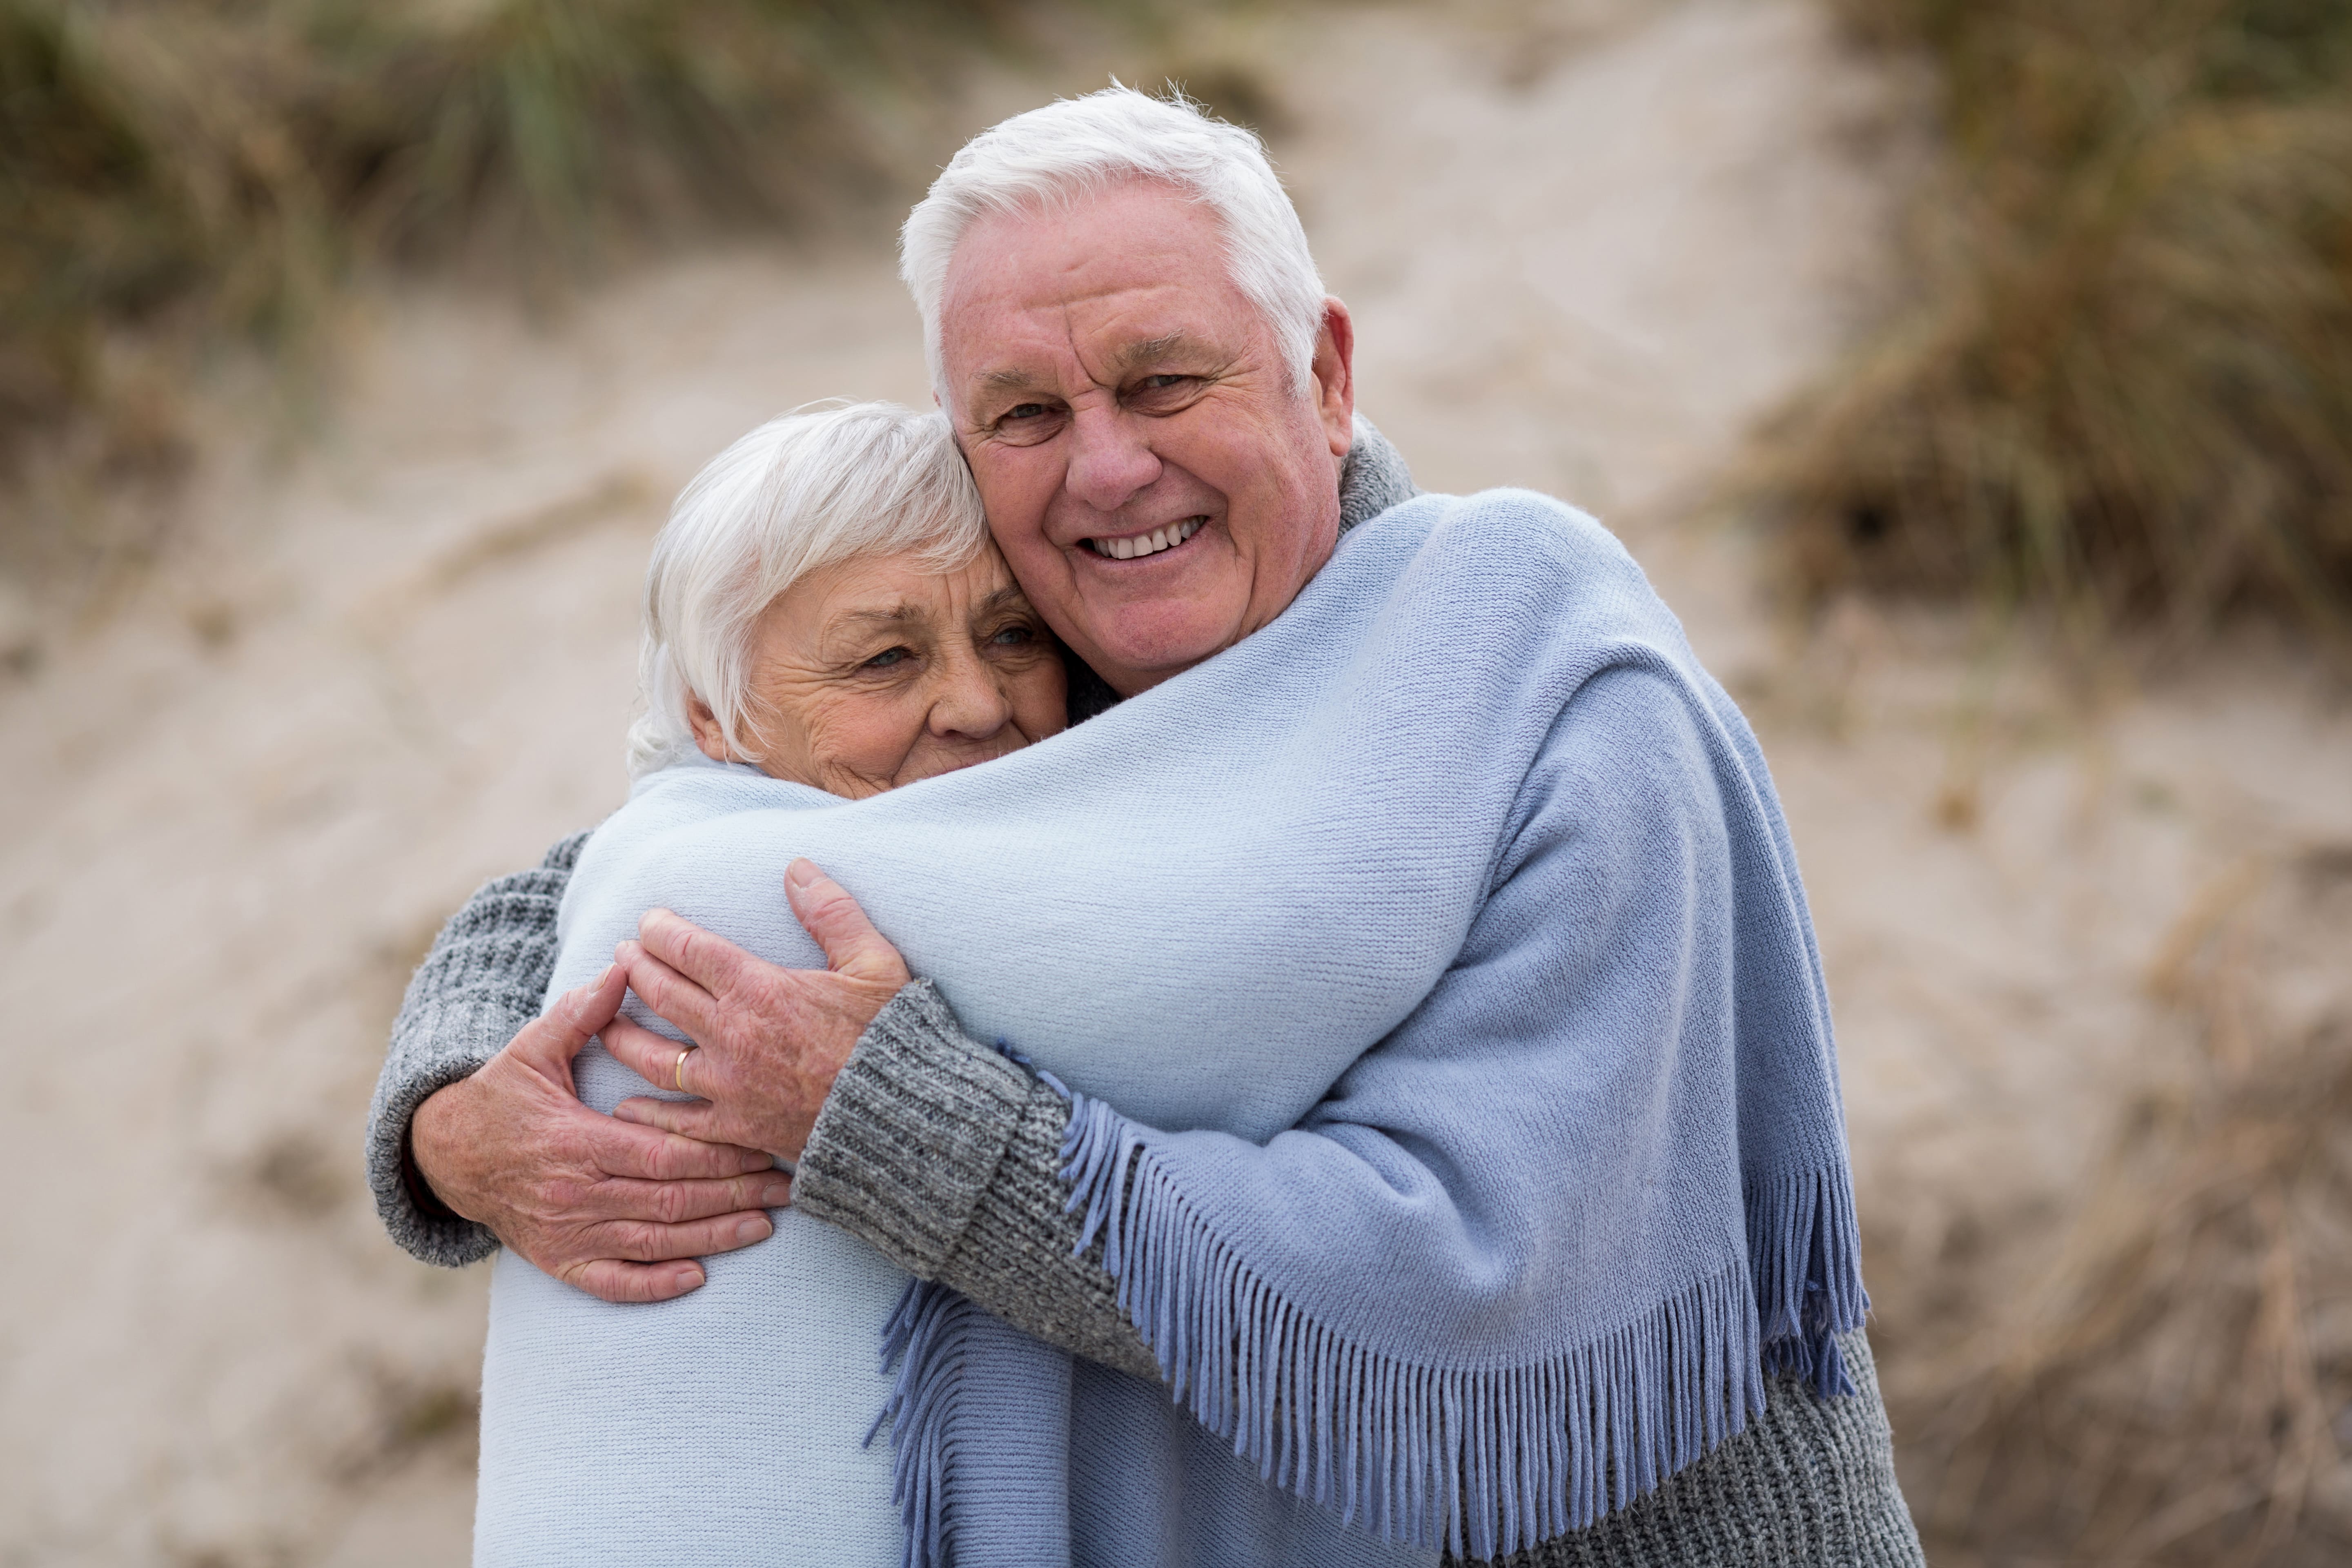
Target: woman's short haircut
x=1056 y=156
x=820 y=485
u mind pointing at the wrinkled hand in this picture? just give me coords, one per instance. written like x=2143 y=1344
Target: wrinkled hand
x=769 y=1041
x=619 y=1210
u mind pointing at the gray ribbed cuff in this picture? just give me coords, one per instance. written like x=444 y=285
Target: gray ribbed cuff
x=431 y=1235
x=911 y=1133
x=483 y=981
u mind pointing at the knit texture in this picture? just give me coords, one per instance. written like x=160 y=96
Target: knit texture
x=487 y=973
x=484 y=978
x=981 y=1208
x=957 y=1108
x=1809 y=1483
x=1461 y=1128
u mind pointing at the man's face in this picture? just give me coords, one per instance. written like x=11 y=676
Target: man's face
x=1159 y=485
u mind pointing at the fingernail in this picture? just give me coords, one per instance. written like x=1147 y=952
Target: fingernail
x=690 y=1279
x=754 y=1229
x=756 y=1162
x=606 y=978
x=801 y=873
x=776 y=1195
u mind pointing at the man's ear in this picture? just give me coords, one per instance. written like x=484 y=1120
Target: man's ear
x=708 y=734
x=1335 y=376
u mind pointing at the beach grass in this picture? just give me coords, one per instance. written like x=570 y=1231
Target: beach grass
x=2120 y=387
x=181 y=175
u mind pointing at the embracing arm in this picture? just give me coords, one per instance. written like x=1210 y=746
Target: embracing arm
x=482 y=982
x=947 y=1156
x=477 y=1094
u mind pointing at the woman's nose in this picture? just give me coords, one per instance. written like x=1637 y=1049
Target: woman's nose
x=969 y=701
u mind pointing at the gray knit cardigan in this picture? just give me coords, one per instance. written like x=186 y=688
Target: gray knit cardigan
x=946 y=1156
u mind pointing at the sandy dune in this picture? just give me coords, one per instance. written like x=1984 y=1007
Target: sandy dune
x=1587 y=249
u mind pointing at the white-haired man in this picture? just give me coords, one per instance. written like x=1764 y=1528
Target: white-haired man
x=1155 y=396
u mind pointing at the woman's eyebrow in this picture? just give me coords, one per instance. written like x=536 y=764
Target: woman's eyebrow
x=897 y=616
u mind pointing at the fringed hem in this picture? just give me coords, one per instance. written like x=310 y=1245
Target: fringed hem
x=1479 y=1462
x=1806 y=1253
x=925 y=1340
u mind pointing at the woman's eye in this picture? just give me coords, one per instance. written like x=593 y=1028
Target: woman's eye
x=1013 y=637
x=886 y=659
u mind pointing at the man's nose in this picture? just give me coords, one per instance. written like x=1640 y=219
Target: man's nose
x=1110 y=461
x=969 y=701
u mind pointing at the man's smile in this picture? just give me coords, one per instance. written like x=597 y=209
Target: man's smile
x=1129 y=547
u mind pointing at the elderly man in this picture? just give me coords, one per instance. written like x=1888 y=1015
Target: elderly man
x=1155 y=397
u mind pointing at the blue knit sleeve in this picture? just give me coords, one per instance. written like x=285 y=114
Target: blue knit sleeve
x=1523 y=1351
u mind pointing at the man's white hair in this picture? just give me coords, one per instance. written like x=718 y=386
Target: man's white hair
x=1056 y=156
x=816 y=487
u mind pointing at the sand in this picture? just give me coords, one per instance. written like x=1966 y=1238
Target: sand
x=1588 y=248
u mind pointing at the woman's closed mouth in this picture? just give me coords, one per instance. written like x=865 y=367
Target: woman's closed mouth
x=1135 y=546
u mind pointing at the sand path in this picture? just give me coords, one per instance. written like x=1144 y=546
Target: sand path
x=1586 y=248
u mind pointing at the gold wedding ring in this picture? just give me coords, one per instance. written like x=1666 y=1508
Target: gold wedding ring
x=680 y=1073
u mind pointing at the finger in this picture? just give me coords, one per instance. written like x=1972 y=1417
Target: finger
x=610 y=1279
x=620 y=1149
x=677 y=1203
x=694 y=1118
x=852 y=946
x=711 y=961
x=669 y=994
x=653 y=1057
x=556 y=1035
x=644 y=1241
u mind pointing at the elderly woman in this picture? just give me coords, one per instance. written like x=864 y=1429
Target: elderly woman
x=828 y=619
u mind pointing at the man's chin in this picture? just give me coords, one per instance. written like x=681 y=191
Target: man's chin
x=1141 y=651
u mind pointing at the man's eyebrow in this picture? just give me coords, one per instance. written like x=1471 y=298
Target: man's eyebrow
x=1123 y=359
x=1165 y=347
x=1009 y=379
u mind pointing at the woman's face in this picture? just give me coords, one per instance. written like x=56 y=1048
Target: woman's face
x=877 y=672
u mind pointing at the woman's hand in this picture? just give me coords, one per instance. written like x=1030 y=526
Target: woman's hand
x=621 y=1212
x=769 y=1041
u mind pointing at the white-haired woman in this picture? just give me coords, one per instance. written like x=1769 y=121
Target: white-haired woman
x=826 y=604
x=824 y=609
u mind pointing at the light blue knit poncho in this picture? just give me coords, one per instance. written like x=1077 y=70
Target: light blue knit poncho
x=1452 y=1081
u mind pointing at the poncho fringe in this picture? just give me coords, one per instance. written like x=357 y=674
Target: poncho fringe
x=1480 y=1461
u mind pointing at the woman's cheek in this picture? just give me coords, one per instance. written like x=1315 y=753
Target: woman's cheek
x=1041 y=698
x=867 y=735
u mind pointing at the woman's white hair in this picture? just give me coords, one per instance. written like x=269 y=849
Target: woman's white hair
x=1055 y=156
x=818 y=486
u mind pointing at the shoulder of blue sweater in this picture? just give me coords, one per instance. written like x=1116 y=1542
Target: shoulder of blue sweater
x=1509 y=515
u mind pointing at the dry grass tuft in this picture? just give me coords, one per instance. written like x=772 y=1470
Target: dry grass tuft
x=2124 y=388
x=2176 y=1387
x=180 y=173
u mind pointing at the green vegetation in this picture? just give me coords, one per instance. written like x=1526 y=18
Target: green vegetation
x=2124 y=391
x=183 y=173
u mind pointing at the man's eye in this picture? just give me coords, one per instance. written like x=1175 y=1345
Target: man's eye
x=1026 y=411
x=1162 y=382
x=886 y=659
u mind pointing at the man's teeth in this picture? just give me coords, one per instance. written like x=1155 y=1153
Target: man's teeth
x=1152 y=543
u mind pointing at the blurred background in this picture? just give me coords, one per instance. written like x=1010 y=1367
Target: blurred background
x=1974 y=378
